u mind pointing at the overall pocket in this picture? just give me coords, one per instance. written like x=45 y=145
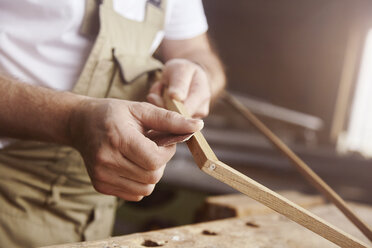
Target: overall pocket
x=133 y=77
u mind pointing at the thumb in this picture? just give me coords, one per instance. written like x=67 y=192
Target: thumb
x=160 y=119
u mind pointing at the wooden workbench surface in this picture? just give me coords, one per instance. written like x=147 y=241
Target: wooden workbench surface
x=270 y=230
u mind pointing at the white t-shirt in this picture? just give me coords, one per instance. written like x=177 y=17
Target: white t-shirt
x=40 y=42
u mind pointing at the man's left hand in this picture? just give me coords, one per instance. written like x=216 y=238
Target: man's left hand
x=187 y=82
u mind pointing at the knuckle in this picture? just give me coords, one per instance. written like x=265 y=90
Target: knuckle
x=160 y=158
x=148 y=189
x=99 y=174
x=199 y=68
x=127 y=144
x=145 y=108
x=136 y=108
x=108 y=123
x=183 y=70
x=100 y=157
x=153 y=164
x=185 y=66
x=175 y=61
x=100 y=188
x=113 y=138
x=154 y=177
x=171 y=115
x=179 y=65
x=152 y=161
x=141 y=109
x=168 y=153
x=145 y=105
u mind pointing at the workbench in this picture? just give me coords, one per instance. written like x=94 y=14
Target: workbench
x=250 y=229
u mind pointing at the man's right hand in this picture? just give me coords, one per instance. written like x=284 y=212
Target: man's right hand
x=120 y=160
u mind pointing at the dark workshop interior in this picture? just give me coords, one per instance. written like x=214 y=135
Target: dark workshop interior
x=289 y=61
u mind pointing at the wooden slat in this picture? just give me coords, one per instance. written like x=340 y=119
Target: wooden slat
x=197 y=144
x=240 y=205
x=269 y=198
x=208 y=162
x=301 y=166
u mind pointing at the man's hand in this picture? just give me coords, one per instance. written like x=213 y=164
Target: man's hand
x=187 y=82
x=193 y=74
x=120 y=160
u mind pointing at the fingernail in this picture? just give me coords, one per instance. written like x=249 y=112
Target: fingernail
x=198 y=122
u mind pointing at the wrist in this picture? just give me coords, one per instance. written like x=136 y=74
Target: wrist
x=207 y=73
x=75 y=112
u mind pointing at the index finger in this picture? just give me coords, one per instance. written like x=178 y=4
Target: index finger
x=179 y=81
x=146 y=153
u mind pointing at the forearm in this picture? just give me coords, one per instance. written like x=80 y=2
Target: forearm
x=108 y=133
x=36 y=113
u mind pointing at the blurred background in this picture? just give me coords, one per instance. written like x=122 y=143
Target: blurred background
x=305 y=69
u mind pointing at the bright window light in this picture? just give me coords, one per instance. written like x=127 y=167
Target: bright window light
x=358 y=137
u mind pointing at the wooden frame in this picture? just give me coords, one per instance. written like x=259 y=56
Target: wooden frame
x=209 y=163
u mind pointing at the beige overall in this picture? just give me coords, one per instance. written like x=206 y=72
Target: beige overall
x=46 y=196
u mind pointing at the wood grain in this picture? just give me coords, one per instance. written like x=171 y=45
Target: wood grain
x=301 y=166
x=239 y=205
x=280 y=204
x=197 y=144
x=208 y=162
x=269 y=230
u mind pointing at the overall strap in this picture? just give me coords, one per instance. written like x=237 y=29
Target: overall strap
x=121 y=53
x=90 y=25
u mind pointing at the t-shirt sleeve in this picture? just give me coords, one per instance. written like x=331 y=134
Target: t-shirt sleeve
x=185 y=19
